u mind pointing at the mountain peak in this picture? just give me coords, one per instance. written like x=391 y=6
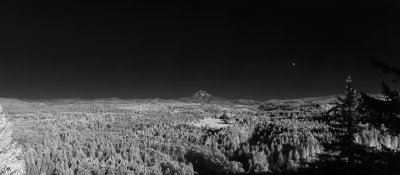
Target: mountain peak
x=202 y=95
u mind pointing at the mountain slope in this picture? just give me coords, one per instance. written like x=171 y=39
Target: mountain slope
x=204 y=97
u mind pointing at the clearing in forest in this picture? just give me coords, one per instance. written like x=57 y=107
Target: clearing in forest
x=212 y=122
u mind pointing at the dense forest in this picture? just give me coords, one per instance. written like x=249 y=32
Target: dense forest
x=353 y=134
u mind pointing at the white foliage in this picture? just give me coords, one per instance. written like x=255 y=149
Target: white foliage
x=9 y=164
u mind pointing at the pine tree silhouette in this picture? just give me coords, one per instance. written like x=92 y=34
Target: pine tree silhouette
x=347 y=121
x=391 y=95
x=378 y=111
x=344 y=123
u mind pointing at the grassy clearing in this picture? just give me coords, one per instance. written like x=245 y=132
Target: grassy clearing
x=212 y=123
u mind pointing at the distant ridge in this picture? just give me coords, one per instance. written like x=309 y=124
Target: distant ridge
x=199 y=96
x=202 y=96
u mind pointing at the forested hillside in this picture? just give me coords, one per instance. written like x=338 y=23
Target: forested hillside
x=147 y=137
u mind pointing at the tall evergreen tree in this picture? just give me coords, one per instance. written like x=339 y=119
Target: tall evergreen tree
x=344 y=124
x=348 y=120
x=9 y=164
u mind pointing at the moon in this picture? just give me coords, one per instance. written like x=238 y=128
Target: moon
x=293 y=64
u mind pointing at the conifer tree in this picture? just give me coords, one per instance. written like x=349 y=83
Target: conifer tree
x=9 y=164
x=392 y=95
x=385 y=111
x=348 y=120
x=344 y=124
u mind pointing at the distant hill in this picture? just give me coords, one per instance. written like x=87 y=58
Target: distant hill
x=202 y=96
x=303 y=104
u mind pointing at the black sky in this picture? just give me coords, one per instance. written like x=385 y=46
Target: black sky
x=171 y=50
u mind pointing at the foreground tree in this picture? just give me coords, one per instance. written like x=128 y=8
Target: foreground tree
x=9 y=164
x=392 y=96
x=344 y=123
x=386 y=111
x=348 y=120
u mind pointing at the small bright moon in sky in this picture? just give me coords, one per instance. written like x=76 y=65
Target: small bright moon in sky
x=293 y=63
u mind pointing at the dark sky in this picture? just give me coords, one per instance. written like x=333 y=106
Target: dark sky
x=171 y=50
